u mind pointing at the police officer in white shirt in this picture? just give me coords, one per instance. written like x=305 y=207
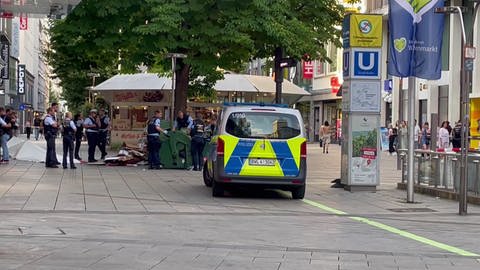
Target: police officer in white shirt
x=92 y=125
x=50 y=127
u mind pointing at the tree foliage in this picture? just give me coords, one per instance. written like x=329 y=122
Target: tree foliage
x=100 y=35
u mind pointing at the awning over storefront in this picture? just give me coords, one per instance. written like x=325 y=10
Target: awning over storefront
x=230 y=83
x=132 y=82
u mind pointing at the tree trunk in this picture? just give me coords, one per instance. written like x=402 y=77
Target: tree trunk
x=181 y=82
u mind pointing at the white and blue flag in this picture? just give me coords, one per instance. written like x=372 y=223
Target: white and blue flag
x=416 y=33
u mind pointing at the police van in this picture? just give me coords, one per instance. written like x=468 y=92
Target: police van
x=255 y=144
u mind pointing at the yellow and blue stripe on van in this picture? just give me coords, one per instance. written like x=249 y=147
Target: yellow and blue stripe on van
x=285 y=153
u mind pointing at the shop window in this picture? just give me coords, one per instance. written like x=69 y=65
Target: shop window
x=139 y=117
x=121 y=118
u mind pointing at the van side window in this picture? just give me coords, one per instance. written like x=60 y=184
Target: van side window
x=263 y=125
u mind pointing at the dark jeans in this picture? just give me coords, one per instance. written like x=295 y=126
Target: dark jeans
x=391 y=144
x=197 y=152
x=68 y=150
x=28 y=130
x=78 y=143
x=102 y=142
x=92 y=138
x=50 y=159
x=153 y=145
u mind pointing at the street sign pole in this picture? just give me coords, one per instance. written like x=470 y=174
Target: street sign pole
x=411 y=135
x=278 y=75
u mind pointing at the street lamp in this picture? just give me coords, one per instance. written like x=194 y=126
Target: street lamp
x=468 y=52
x=174 y=57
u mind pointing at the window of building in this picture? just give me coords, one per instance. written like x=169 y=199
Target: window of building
x=332 y=54
x=446 y=45
x=443 y=103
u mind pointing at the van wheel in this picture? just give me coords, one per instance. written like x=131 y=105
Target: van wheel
x=217 y=189
x=298 y=193
x=207 y=179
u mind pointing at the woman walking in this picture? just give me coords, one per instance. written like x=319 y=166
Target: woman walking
x=325 y=136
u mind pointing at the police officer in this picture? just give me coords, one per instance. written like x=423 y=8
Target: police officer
x=103 y=132
x=78 y=119
x=50 y=128
x=198 y=142
x=153 y=141
x=183 y=122
x=68 y=133
x=92 y=125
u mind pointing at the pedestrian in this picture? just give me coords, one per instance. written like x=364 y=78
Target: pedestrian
x=50 y=132
x=392 y=136
x=36 y=126
x=78 y=120
x=103 y=132
x=457 y=135
x=14 y=121
x=443 y=136
x=183 y=122
x=92 y=125
x=54 y=107
x=3 y=139
x=6 y=134
x=198 y=142
x=68 y=134
x=425 y=136
x=28 y=128
x=417 y=135
x=153 y=141
x=325 y=135
x=402 y=138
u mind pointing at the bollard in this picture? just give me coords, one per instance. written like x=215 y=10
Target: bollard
x=477 y=176
x=403 y=158
x=436 y=172
x=446 y=164
x=418 y=158
x=455 y=173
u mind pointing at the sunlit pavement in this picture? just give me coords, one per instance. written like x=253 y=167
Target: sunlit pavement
x=99 y=217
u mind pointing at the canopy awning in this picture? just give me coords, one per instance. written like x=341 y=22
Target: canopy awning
x=230 y=83
x=266 y=84
x=132 y=82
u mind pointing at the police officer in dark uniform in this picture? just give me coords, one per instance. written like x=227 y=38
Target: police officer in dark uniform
x=153 y=141
x=198 y=142
x=92 y=125
x=50 y=127
x=103 y=132
x=183 y=122
x=78 y=120
x=68 y=133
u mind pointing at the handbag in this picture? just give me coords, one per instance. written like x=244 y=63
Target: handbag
x=321 y=142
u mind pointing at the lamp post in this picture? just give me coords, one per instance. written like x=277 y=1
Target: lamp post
x=468 y=52
x=174 y=57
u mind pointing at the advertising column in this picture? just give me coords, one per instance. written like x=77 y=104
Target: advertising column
x=362 y=42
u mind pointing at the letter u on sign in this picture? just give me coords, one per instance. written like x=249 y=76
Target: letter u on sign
x=366 y=64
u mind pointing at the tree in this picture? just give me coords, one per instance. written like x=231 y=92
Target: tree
x=213 y=33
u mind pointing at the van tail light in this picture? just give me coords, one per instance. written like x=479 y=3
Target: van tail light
x=220 y=147
x=303 y=150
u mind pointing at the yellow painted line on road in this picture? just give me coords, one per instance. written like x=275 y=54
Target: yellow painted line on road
x=394 y=230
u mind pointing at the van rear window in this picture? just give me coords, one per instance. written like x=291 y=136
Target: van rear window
x=263 y=125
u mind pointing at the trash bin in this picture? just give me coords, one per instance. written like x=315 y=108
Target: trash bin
x=175 y=152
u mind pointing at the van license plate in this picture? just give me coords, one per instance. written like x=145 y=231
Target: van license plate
x=261 y=162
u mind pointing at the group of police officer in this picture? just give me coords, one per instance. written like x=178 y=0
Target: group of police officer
x=97 y=127
x=196 y=128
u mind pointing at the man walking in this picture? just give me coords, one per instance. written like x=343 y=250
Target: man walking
x=198 y=142
x=153 y=141
x=36 y=126
x=92 y=125
x=50 y=128
x=103 y=132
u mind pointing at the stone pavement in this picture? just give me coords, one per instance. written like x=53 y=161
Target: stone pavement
x=99 y=217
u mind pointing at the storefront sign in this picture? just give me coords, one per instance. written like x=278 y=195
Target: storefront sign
x=23 y=22
x=21 y=79
x=308 y=67
x=5 y=56
x=15 y=46
x=126 y=97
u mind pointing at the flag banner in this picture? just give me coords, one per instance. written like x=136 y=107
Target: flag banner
x=416 y=33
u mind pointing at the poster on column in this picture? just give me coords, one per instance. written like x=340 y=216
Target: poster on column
x=364 y=162
x=365 y=96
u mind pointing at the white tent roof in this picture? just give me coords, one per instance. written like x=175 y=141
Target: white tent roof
x=235 y=82
x=140 y=81
x=230 y=83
